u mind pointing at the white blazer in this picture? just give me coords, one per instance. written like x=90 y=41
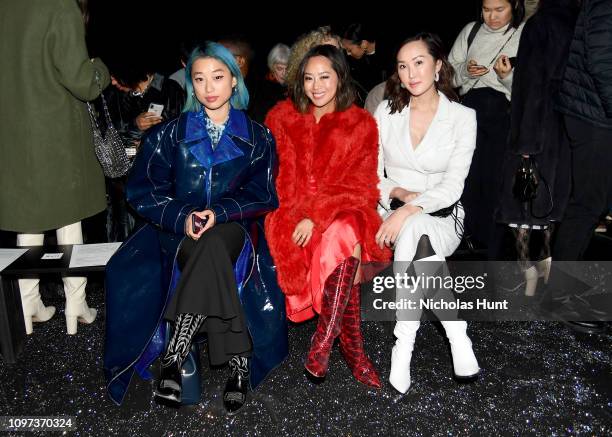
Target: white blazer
x=438 y=167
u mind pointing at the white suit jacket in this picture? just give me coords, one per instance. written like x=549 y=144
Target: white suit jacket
x=437 y=168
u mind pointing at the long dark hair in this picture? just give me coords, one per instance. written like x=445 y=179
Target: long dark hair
x=84 y=7
x=345 y=94
x=518 y=13
x=399 y=97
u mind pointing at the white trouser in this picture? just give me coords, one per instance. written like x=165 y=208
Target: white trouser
x=73 y=285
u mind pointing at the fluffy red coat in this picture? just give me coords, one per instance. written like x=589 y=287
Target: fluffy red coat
x=340 y=153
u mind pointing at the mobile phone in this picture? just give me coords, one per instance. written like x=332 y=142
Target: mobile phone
x=197 y=223
x=512 y=61
x=156 y=109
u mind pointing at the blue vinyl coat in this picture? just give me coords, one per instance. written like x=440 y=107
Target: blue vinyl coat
x=177 y=172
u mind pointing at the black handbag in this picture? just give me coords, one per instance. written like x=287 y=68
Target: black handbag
x=526 y=182
x=525 y=187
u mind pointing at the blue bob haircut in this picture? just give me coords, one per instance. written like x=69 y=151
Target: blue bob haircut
x=240 y=97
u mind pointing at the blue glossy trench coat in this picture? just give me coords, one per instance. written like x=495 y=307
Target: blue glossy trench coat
x=177 y=172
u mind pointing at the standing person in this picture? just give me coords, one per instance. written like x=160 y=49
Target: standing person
x=46 y=144
x=426 y=146
x=366 y=57
x=212 y=164
x=483 y=56
x=325 y=225
x=585 y=101
x=538 y=140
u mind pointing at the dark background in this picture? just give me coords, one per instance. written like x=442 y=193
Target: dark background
x=150 y=32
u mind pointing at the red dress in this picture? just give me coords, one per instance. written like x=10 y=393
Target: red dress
x=328 y=173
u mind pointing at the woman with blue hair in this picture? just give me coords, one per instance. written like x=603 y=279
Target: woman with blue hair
x=203 y=182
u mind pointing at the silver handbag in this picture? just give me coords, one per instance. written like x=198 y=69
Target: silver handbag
x=109 y=148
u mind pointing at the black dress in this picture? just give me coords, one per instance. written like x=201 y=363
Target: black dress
x=207 y=286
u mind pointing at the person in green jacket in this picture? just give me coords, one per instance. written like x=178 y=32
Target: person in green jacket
x=49 y=174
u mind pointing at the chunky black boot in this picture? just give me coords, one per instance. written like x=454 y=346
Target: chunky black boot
x=169 y=387
x=237 y=386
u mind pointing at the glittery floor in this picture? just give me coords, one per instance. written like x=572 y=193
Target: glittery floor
x=537 y=379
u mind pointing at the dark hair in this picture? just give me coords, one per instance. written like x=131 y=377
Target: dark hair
x=238 y=45
x=357 y=32
x=399 y=97
x=345 y=94
x=518 y=13
x=128 y=69
x=84 y=7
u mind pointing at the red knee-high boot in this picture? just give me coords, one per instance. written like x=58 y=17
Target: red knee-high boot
x=335 y=297
x=351 y=343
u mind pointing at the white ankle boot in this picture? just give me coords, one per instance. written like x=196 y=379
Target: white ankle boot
x=465 y=364
x=531 y=281
x=76 y=305
x=543 y=267
x=405 y=331
x=33 y=308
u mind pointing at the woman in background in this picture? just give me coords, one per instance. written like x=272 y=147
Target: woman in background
x=273 y=88
x=483 y=57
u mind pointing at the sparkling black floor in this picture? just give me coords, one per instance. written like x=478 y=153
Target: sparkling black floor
x=537 y=379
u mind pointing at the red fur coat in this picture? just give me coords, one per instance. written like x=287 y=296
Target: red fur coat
x=340 y=153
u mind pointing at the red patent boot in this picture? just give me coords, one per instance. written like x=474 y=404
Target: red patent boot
x=335 y=297
x=351 y=343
